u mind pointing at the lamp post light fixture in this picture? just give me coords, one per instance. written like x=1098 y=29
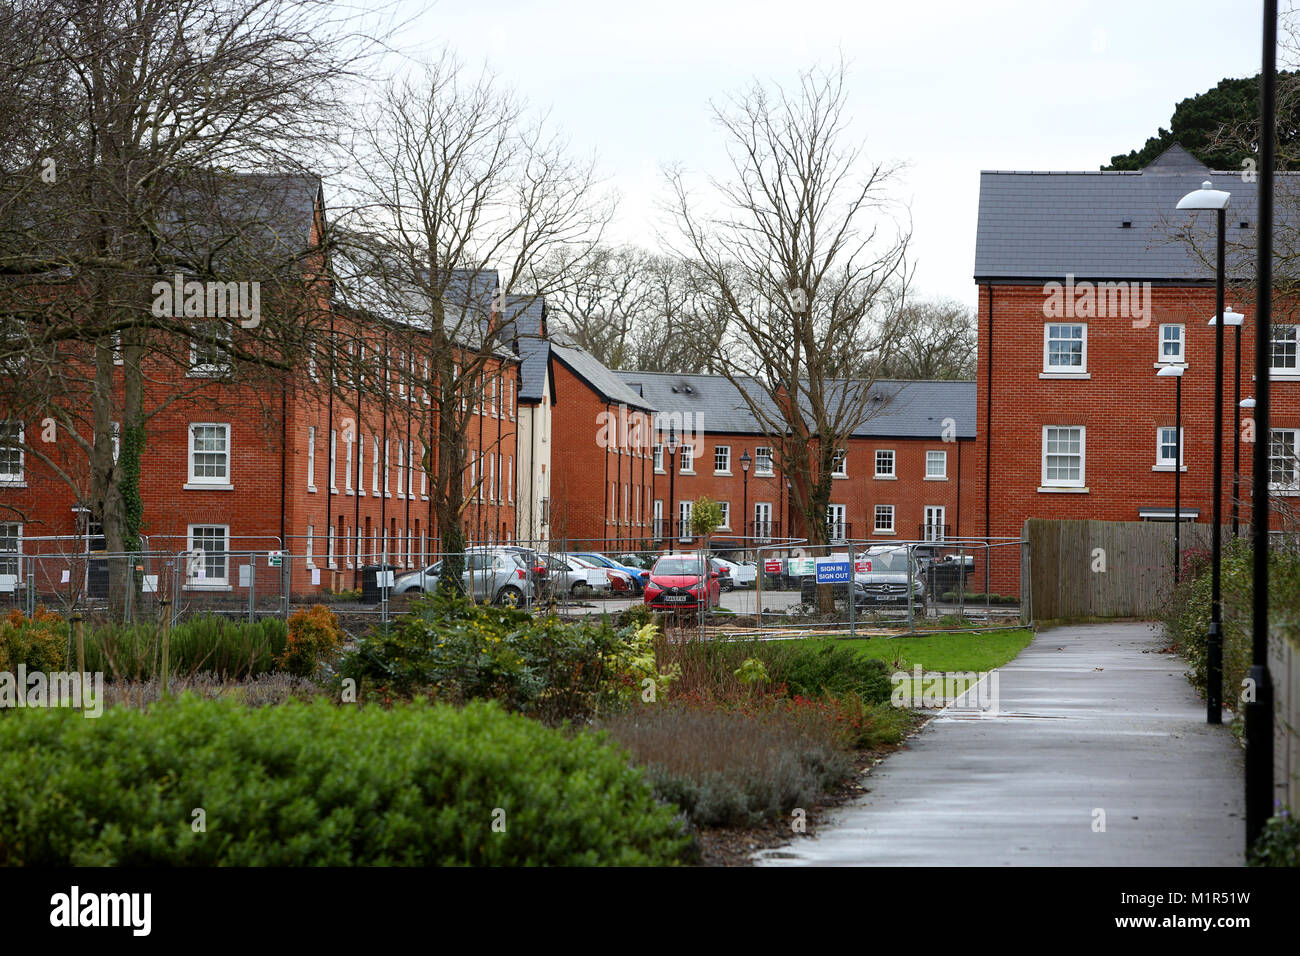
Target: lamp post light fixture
x=672 y=480
x=1208 y=198
x=1176 y=372
x=745 y=462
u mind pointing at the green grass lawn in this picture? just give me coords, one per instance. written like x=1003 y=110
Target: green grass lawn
x=976 y=651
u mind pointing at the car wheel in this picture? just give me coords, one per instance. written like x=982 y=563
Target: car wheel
x=510 y=596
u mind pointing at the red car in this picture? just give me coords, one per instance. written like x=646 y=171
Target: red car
x=682 y=581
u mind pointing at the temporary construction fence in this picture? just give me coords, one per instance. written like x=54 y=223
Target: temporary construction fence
x=768 y=585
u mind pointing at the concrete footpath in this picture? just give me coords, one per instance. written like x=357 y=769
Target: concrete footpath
x=1088 y=718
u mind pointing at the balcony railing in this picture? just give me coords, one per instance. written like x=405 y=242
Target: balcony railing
x=838 y=531
x=933 y=532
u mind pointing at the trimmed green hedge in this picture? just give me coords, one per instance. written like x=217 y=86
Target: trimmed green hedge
x=320 y=784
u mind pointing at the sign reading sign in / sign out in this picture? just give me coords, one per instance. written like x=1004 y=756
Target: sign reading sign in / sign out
x=833 y=570
x=772 y=567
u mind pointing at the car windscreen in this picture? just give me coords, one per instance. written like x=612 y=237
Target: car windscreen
x=673 y=566
x=888 y=561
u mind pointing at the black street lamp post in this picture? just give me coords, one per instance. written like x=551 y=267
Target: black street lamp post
x=1216 y=199
x=745 y=461
x=1259 y=704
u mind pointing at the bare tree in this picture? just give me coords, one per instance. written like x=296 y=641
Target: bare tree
x=936 y=340
x=459 y=181
x=796 y=255
x=159 y=119
x=633 y=308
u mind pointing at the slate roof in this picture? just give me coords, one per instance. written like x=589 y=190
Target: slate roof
x=608 y=385
x=1042 y=225
x=917 y=409
x=535 y=354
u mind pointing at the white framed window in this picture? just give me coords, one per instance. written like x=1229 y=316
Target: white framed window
x=427 y=399
x=401 y=468
x=884 y=519
x=659 y=458
x=510 y=397
x=726 y=515
x=934 y=529
x=657 y=516
x=684 y=509
x=388 y=467
x=1283 y=464
x=885 y=463
x=311 y=543
x=116 y=436
x=115 y=343
x=763 y=461
x=312 y=372
x=1065 y=348
x=349 y=439
x=510 y=478
x=311 y=457
x=936 y=465
x=1285 y=351
x=214 y=542
x=686 y=455
x=840 y=463
x=722 y=459
x=361 y=464
x=762 y=520
x=1167 y=446
x=334 y=447
x=836 y=527
x=613 y=502
x=209 y=454
x=210 y=349
x=1173 y=344
x=374 y=474
x=1063 y=456
x=11 y=548
x=636 y=504
x=330 y=560
x=424 y=473
x=12 y=458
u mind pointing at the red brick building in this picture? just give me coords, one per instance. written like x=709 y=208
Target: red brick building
x=1085 y=293
x=324 y=461
x=901 y=476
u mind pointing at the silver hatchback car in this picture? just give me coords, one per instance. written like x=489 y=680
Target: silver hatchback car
x=498 y=577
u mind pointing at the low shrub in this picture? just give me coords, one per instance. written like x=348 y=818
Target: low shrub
x=323 y=785
x=726 y=768
x=544 y=667
x=315 y=638
x=1279 y=842
x=39 y=642
x=230 y=648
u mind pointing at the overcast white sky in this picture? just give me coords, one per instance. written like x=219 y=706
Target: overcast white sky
x=947 y=87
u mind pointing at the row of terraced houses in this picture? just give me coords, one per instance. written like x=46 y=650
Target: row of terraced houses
x=1083 y=298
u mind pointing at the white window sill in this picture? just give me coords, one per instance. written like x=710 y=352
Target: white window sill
x=204 y=486
x=1169 y=363
x=207 y=373
x=216 y=586
x=1283 y=376
x=311 y=489
x=1284 y=492
x=424 y=497
x=13 y=483
x=722 y=474
x=764 y=474
x=936 y=477
x=886 y=477
x=1062 y=490
x=878 y=531
x=691 y=472
x=1167 y=468
x=833 y=475
x=334 y=491
x=348 y=491
x=1080 y=375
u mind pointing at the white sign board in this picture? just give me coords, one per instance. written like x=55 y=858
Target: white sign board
x=245 y=575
